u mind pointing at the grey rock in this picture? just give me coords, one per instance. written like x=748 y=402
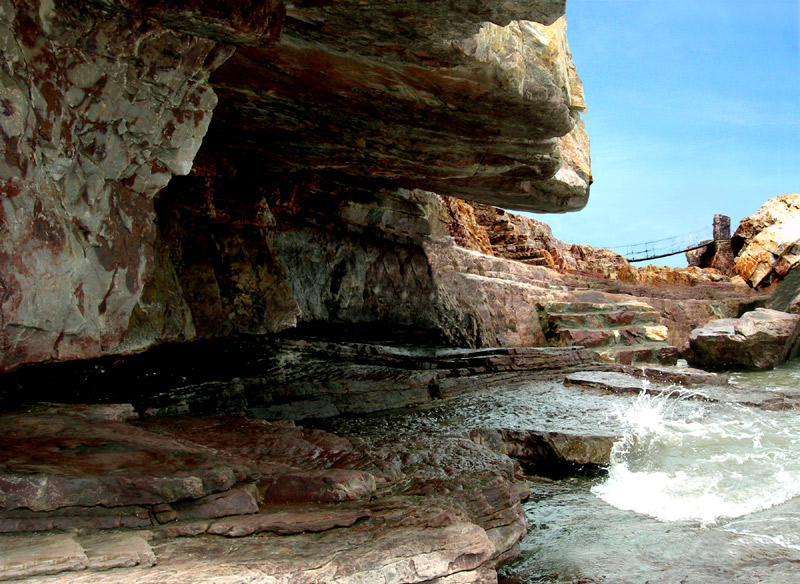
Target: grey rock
x=761 y=339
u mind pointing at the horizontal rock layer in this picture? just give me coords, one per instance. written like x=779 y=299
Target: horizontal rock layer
x=409 y=531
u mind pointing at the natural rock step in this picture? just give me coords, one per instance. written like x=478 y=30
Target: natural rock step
x=595 y=307
x=35 y=556
x=613 y=319
x=398 y=520
x=602 y=337
x=288 y=521
x=641 y=354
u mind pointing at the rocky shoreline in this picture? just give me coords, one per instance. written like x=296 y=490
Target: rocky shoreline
x=431 y=493
x=302 y=342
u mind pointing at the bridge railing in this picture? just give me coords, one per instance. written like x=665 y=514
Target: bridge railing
x=661 y=248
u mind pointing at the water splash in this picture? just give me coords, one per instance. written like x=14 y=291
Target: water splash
x=682 y=460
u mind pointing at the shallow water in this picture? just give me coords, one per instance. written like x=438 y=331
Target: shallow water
x=696 y=492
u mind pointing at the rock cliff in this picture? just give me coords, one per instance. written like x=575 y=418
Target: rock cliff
x=329 y=245
x=102 y=103
x=105 y=102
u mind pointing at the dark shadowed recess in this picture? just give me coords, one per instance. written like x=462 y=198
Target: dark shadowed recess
x=221 y=369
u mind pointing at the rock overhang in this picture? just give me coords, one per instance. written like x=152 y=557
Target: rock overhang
x=473 y=99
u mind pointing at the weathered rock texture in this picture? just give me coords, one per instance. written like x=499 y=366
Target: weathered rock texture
x=767 y=243
x=101 y=104
x=104 y=102
x=471 y=101
x=248 y=500
x=760 y=339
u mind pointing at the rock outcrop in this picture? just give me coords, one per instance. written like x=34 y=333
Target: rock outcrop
x=767 y=244
x=478 y=100
x=786 y=295
x=759 y=339
x=104 y=103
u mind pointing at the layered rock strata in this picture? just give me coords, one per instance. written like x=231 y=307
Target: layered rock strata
x=291 y=378
x=104 y=103
x=232 y=499
x=472 y=101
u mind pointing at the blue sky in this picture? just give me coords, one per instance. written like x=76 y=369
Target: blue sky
x=694 y=109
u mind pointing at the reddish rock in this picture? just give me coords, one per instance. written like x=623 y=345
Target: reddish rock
x=105 y=103
x=621 y=318
x=296 y=519
x=56 y=460
x=240 y=500
x=413 y=528
x=70 y=518
x=317 y=486
x=585 y=338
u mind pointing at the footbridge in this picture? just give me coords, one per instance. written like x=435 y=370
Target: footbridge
x=661 y=248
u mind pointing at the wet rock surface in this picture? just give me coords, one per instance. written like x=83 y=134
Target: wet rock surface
x=356 y=498
x=682 y=383
x=576 y=538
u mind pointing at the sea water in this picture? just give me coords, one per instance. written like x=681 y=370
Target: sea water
x=705 y=463
x=697 y=491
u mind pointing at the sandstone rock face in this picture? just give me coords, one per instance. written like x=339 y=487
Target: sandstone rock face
x=236 y=257
x=768 y=242
x=102 y=104
x=411 y=95
x=523 y=239
x=603 y=262
x=761 y=339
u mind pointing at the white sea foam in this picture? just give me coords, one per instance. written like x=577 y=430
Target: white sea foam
x=681 y=461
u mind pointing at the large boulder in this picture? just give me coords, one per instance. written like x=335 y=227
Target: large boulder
x=767 y=243
x=760 y=339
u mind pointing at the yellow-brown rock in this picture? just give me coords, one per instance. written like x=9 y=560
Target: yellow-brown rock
x=768 y=242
